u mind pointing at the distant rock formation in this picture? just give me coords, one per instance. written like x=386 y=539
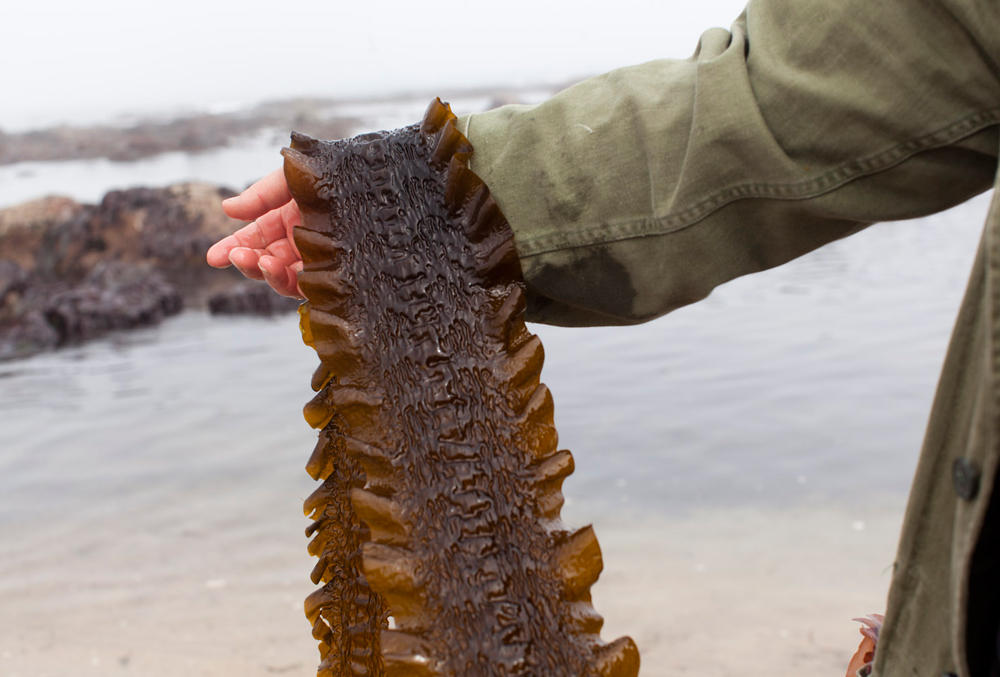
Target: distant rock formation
x=195 y=133
x=190 y=134
x=70 y=271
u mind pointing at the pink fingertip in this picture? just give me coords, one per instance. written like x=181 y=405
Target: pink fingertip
x=234 y=252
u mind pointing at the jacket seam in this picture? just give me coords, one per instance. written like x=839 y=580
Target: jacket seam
x=802 y=190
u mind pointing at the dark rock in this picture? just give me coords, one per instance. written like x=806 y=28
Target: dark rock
x=13 y=278
x=114 y=296
x=22 y=228
x=77 y=271
x=250 y=298
x=29 y=335
x=13 y=285
x=57 y=239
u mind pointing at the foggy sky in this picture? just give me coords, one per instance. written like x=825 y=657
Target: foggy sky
x=66 y=60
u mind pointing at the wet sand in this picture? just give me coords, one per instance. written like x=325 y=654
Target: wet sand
x=212 y=584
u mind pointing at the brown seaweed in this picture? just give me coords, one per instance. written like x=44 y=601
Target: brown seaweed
x=347 y=616
x=434 y=424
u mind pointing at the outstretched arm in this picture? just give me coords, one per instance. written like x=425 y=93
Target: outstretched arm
x=639 y=191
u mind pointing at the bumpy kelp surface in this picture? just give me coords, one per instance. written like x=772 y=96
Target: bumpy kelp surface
x=442 y=480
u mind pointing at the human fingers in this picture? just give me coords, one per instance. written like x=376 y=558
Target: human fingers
x=283 y=251
x=269 y=193
x=247 y=262
x=281 y=222
x=257 y=235
x=280 y=263
x=282 y=278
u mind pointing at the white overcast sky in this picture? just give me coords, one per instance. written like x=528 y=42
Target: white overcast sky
x=77 y=61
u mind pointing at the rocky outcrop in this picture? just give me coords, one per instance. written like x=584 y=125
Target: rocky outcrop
x=115 y=295
x=195 y=133
x=250 y=298
x=189 y=134
x=70 y=271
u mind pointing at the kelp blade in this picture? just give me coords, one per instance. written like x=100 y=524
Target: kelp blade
x=429 y=381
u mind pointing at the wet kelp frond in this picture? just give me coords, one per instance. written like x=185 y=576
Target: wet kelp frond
x=438 y=449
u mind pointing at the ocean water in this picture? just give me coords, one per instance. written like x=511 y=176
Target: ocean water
x=810 y=383
x=242 y=162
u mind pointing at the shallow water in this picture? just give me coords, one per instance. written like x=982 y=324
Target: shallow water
x=809 y=383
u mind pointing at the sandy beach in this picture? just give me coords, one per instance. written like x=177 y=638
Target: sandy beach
x=169 y=592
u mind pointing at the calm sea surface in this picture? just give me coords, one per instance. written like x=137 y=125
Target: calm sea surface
x=806 y=384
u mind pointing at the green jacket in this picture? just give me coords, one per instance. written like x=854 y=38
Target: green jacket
x=637 y=192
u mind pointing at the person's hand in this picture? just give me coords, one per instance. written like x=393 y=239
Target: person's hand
x=263 y=249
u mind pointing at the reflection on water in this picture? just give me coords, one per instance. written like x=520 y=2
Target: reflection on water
x=807 y=383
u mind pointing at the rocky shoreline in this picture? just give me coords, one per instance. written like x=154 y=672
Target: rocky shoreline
x=70 y=272
x=189 y=134
x=140 y=139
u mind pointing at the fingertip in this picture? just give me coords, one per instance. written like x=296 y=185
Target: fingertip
x=266 y=264
x=274 y=273
x=216 y=256
x=242 y=257
x=246 y=261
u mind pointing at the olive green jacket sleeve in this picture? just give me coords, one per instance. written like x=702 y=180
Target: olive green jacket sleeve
x=637 y=192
